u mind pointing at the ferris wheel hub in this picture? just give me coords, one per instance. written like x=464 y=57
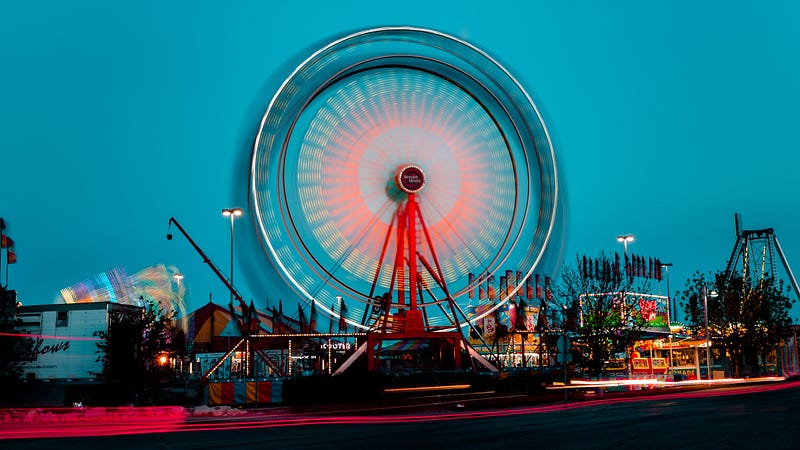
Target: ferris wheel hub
x=410 y=178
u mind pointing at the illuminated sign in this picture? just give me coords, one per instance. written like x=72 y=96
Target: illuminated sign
x=411 y=179
x=337 y=345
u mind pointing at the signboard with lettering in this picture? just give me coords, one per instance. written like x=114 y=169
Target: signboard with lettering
x=64 y=344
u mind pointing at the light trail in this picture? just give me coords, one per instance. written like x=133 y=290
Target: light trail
x=56 y=423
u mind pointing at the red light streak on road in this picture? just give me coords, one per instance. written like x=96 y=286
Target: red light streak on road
x=82 y=422
x=160 y=420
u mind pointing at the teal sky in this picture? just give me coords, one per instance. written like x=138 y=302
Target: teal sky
x=667 y=118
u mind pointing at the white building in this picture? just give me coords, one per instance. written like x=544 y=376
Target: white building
x=65 y=340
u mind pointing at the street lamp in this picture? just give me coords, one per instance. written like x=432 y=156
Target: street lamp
x=232 y=213
x=625 y=238
x=707 y=294
x=666 y=267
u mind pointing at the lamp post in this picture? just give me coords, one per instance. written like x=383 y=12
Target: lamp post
x=666 y=267
x=707 y=294
x=232 y=213
x=178 y=278
x=625 y=238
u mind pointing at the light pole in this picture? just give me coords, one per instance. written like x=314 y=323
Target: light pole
x=625 y=238
x=178 y=278
x=232 y=213
x=707 y=294
x=666 y=267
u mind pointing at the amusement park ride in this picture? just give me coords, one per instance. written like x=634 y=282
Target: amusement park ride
x=409 y=322
x=753 y=256
x=395 y=172
x=391 y=166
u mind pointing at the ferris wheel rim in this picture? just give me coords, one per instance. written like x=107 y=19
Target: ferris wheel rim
x=259 y=142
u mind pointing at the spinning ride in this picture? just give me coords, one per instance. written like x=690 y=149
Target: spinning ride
x=396 y=171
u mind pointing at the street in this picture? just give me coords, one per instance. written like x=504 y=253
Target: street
x=714 y=418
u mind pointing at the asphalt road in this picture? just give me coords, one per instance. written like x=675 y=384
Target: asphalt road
x=711 y=420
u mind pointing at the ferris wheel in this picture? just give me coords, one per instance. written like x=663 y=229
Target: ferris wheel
x=405 y=165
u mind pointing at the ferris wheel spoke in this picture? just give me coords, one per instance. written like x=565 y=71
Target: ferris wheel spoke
x=364 y=228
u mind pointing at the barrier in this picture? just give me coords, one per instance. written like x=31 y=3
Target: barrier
x=242 y=392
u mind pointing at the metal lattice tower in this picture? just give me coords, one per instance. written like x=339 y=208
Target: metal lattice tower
x=753 y=256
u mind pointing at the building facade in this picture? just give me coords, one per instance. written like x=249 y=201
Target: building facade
x=65 y=338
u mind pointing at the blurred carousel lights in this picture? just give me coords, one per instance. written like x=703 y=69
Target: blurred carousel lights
x=161 y=284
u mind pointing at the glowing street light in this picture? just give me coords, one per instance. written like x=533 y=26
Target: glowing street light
x=232 y=213
x=707 y=294
x=625 y=238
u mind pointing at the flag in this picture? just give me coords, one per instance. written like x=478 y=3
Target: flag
x=6 y=242
x=520 y=292
x=471 y=287
x=509 y=283
x=333 y=312
x=548 y=292
x=301 y=318
x=512 y=315
x=585 y=271
x=539 y=292
x=11 y=257
x=503 y=287
x=628 y=267
x=342 y=312
x=529 y=287
x=312 y=317
x=491 y=289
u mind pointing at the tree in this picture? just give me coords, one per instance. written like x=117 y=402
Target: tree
x=746 y=320
x=131 y=348
x=592 y=305
x=15 y=350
